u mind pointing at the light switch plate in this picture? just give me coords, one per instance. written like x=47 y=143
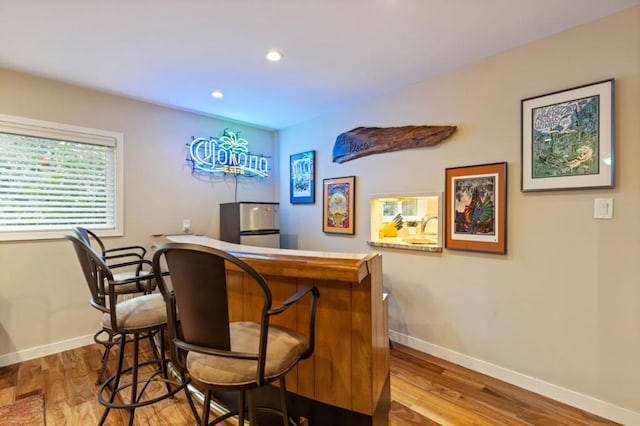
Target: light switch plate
x=603 y=208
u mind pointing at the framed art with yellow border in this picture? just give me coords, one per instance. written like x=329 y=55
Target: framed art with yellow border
x=338 y=213
x=476 y=207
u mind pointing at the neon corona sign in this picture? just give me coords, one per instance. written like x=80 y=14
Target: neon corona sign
x=228 y=154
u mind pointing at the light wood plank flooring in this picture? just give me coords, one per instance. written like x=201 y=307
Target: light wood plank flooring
x=425 y=391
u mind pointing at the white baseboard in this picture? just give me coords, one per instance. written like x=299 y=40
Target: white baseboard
x=566 y=396
x=39 y=351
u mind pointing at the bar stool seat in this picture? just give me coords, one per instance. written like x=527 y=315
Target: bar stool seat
x=148 y=311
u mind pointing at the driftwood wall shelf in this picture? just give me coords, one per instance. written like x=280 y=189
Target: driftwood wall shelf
x=363 y=141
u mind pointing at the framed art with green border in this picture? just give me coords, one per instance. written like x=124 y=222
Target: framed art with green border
x=567 y=139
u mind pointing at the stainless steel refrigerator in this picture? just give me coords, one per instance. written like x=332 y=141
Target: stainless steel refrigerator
x=250 y=223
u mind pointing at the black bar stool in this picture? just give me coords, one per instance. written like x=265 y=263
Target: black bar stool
x=129 y=321
x=221 y=354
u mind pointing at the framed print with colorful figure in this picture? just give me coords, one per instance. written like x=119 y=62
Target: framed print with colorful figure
x=338 y=213
x=567 y=139
x=302 y=178
x=476 y=208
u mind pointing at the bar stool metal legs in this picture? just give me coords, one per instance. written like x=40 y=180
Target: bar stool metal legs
x=112 y=390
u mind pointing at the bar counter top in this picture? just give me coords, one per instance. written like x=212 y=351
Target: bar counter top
x=239 y=248
x=349 y=267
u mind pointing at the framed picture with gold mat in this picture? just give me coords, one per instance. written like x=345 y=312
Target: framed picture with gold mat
x=338 y=212
x=476 y=207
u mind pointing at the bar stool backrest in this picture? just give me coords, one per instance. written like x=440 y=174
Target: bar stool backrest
x=201 y=297
x=95 y=271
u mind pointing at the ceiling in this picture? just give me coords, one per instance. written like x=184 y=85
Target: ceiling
x=336 y=52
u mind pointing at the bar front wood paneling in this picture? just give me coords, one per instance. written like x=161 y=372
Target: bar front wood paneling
x=350 y=364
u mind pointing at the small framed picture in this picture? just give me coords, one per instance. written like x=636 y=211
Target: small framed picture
x=302 y=178
x=567 y=139
x=476 y=208
x=338 y=213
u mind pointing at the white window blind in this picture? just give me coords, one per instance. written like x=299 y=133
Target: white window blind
x=55 y=176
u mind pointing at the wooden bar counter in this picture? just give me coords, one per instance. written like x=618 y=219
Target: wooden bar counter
x=346 y=381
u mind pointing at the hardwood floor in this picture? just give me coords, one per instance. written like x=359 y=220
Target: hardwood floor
x=425 y=391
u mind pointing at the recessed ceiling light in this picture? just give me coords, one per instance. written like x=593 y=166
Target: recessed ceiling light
x=217 y=94
x=274 y=56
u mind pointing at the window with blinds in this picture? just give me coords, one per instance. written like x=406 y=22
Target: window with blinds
x=55 y=176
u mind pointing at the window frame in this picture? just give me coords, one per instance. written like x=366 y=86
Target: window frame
x=66 y=132
x=400 y=207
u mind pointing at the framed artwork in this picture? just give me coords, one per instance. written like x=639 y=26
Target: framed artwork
x=302 y=178
x=476 y=208
x=567 y=139
x=338 y=213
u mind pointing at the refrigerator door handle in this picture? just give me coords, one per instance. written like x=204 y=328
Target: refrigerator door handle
x=260 y=232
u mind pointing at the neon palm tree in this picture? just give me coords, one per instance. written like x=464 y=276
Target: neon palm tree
x=230 y=141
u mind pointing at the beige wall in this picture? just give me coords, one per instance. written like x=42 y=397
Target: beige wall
x=563 y=306
x=43 y=300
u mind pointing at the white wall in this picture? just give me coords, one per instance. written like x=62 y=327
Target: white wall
x=560 y=313
x=43 y=299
